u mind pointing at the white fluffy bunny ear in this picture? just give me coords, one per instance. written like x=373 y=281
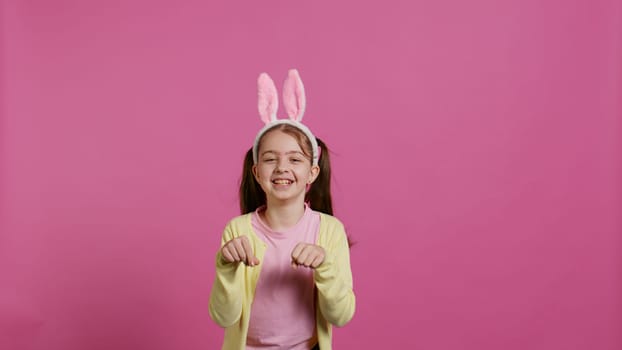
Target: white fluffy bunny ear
x=268 y=100
x=294 y=98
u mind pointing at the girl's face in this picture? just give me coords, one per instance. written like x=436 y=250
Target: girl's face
x=282 y=170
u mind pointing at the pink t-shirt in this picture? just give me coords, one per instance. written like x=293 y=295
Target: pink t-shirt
x=283 y=309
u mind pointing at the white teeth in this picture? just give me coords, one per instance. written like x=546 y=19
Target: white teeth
x=282 y=182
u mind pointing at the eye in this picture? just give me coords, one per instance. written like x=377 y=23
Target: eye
x=295 y=160
x=269 y=160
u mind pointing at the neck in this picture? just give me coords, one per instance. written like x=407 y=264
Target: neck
x=280 y=216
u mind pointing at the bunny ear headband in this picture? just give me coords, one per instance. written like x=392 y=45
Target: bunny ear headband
x=294 y=102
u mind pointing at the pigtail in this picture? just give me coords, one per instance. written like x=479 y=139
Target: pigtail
x=251 y=194
x=319 y=197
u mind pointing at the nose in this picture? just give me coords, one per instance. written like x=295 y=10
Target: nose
x=281 y=165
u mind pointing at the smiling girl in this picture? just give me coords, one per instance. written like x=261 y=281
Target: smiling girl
x=283 y=274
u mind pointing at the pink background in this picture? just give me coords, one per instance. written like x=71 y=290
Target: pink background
x=477 y=158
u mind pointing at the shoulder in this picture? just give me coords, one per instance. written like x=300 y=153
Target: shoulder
x=239 y=219
x=331 y=229
x=330 y=221
x=238 y=223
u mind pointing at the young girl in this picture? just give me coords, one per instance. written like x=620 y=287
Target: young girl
x=283 y=271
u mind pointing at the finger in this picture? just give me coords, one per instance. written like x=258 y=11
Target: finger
x=313 y=254
x=228 y=257
x=317 y=261
x=304 y=255
x=239 y=249
x=297 y=249
x=248 y=252
x=232 y=252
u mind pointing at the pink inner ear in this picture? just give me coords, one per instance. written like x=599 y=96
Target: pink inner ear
x=294 y=96
x=268 y=100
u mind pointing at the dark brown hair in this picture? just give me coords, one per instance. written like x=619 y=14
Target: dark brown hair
x=318 y=196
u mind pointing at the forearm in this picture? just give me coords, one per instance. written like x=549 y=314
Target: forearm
x=336 y=298
x=225 y=304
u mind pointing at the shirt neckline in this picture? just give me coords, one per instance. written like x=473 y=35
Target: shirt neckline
x=271 y=231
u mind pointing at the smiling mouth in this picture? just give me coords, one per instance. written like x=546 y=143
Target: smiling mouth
x=282 y=182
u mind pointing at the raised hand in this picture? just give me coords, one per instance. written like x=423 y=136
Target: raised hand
x=308 y=255
x=239 y=250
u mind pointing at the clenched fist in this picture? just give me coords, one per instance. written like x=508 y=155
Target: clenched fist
x=309 y=255
x=239 y=250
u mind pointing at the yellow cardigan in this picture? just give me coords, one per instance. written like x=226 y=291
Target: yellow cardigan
x=234 y=286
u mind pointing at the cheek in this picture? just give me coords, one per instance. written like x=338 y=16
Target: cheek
x=264 y=173
x=307 y=174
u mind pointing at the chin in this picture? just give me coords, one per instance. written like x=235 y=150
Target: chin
x=289 y=197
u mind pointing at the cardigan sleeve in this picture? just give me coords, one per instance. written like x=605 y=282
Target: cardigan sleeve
x=333 y=279
x=225 y=303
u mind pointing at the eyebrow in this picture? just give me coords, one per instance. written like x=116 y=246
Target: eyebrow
x=288 y=152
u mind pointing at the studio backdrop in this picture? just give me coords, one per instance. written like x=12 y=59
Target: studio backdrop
x=476 y=148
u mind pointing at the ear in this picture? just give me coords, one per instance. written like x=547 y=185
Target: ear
x=294 y=98
x=268 y=100
x=254 y=168
x=315 y=172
